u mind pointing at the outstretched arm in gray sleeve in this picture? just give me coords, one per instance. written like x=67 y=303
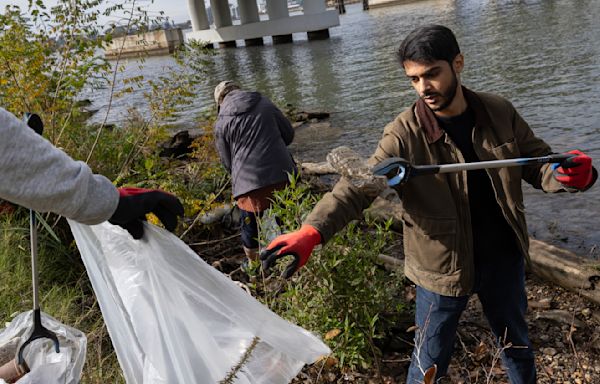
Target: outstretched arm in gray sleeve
x=37 y=175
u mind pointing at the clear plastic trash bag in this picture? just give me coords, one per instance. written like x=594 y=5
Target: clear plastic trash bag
x=46 y=366
x=173 y=318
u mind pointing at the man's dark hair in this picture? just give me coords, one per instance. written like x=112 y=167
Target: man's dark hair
x=428 y=44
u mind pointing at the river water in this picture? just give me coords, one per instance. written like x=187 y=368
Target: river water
x=542 y=55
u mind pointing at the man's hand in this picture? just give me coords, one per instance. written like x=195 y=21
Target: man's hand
x=575 y=172
x=299 y=244
x=135 y=203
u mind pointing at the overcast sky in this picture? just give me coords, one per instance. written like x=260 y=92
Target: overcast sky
x=176 y=9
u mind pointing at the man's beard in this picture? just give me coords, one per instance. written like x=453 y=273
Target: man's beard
x=447 y=96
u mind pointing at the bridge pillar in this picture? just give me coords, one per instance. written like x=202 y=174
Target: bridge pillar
x=221 y=13
x=198 y=15
x=321 y=34
x=312 y=7
x=277 y=9
x=222 y=17
x=249 y=14
x=316 y=20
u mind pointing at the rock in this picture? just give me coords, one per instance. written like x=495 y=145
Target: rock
x=221 y=214
x=560 y=316
x=549 y=351
x=317 y=115
x=83 y=103
x=178 y=146
x=323 y=168
x=108 y=127
x=86 y=113
x=311 y=116
x=545 y=303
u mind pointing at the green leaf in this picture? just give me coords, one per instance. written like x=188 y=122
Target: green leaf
x=47 y=227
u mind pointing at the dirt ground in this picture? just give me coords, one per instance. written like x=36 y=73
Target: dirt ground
x=564 y=329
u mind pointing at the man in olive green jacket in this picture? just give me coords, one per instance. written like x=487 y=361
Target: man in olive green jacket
x=464 y=232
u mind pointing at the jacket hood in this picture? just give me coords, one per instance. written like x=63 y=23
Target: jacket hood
x=238 y=102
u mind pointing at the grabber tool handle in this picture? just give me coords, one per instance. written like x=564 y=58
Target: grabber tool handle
x=448 y=168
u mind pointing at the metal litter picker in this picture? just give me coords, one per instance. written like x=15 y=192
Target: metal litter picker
x=38 y=332
x=399 y=170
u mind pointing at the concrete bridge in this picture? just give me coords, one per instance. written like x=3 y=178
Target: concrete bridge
x=315 y=20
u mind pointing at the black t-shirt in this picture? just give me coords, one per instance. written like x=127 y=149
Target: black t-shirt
x=492 y=235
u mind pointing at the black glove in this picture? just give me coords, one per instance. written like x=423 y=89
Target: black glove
x=135 y=203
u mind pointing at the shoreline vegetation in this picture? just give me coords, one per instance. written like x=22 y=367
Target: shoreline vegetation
x=352 y=292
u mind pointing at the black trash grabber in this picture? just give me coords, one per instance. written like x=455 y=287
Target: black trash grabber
x=399 y=170
x=269 y=256
x=38 y=332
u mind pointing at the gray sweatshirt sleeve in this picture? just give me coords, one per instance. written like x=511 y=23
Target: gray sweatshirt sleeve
x=37 y=175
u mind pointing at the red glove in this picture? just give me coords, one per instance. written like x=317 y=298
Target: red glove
x=135 y=203
x=575 y=172
x=299 y=244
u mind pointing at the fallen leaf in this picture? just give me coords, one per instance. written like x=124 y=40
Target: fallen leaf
x=332 y=334
x=481 y=351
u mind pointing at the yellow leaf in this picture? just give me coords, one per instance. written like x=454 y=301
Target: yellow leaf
x=332 y=334
x=152 y=219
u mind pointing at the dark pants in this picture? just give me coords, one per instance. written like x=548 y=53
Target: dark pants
x=249 y=228
x=500 y=286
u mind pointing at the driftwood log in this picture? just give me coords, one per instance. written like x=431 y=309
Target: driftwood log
x=548 y=262
x=566 y=269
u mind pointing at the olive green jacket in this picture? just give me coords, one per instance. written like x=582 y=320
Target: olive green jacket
x=438 y=240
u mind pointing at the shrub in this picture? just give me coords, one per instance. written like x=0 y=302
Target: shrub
x=342 y=291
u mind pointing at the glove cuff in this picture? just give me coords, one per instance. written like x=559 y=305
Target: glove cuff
x=311 y=234
x=592 y=181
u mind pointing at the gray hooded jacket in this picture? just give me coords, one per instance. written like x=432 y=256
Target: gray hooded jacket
x=252 y=136
x=37 y=175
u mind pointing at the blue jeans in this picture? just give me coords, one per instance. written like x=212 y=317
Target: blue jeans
x=500 y=286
